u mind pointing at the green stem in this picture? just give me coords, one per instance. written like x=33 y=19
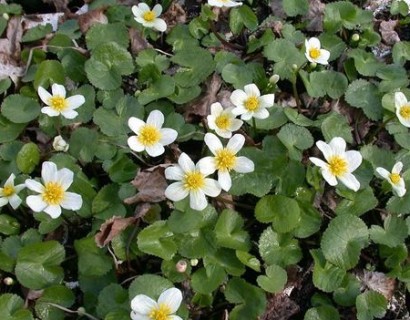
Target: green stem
x=296 y=94
x=89 y=316
x=255 y=129
x=382 y=126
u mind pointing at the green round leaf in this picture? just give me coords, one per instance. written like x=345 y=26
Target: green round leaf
x=322 y=313
x=275 y=279
x=49 y=72
x=150 y=285
x=12 y=308
x=205 y=281
x=28 y=158
x=370 y=305
x=20 y=109
x=9 y=225
x=58 y=294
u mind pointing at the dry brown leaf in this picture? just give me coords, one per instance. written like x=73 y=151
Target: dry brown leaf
x=277 y=8
x=389 y=35
x=314 y=17
x=34 y=20
x=111 y=228
x=377 y=281
x=201 y=106
x=138 y=42
x=280 y=307
x=14 y=34
x=174 y=15
x=87 y=20
x=151 y=185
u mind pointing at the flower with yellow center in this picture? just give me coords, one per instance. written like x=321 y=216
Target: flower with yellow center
x=149 y=18
x=57 y=103
x=223 y=120
x=150 y=137
x=314 y=53
x=394 y=178
x=191 y=180
x=402 y=108
x=224 y=3
x=249 y=102
x=340 y=163
x=52 y=193
x=146 y=308
x=225 y=159
x=9 y=193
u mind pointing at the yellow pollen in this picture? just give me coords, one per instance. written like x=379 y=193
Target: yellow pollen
x=149 y=16
x=193 y=181
x=337 y=166
x=149 y=135
x=53 y=193
x=394 y=178
x=8 y=191
x=252 y=103
x=405 y=111
x=161 y=313
x=314 y=53
x=58 y=103
x=225 y=159
x=223 y=122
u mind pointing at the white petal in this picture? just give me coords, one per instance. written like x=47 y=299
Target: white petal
x=168 y=136
x=223 y=133
x=267 y=100
x=65 y=177
x=307 y=55
x=10 y=180
x=261 y=113
x=15 y=201
x=236 y=124
x=54 y=211
x=244 y=165
x=247 y=115
x=135 y=124
x=49 y=171
x=157 y=10
x=236 y=143
x=58 y=90
x=399 y=100
x=34 y=185
x=176 y=191
x=75 y=101
x=156 y=119
x=72 y=201
x=239 y=110
x=172 y=298
x=338 y=145
x=50 y=111
x=143 y=304
x=211 y=187
x=155 y=150
x=318 y=162
x=397 y=167
x=186 y=163
x=36 y=203
x=19 y=187
x=252 y=90
x=197 y=200
x=224 y=180
x=238 y=98
x=143 y=7
x=213 y=142
x=174 y=317
x=400 y=191
x=383 y=173
x=403 y=121
x=69 y=114
x=135 y=144
x=354 y=159
x=206 y=165
x=160 y=25
x=329 y=177
x=3 y=201
x=350 y=181
x=174 y=173
x=136 y=11
x=139 y=316
x=313 y=43
x=216 y=109
x=216 y=3
x=324 y=57
x=43 y=94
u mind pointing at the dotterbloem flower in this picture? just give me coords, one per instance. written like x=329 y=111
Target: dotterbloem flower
x=9 y=193
x=146 y=308
x=314 y=53
x=402 y=108
x=223 y=121
x=192 y=181
x=150 y=137
x=340 y=163
x=225 y=159
x=53 y=193
x=224 y=3
x=394 y=178
x=57 y=103
x=149 y=18
x=249 y=102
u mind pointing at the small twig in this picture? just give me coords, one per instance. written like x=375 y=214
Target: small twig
x=218 y=36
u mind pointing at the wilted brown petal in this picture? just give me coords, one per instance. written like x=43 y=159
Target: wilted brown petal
x=111 y=228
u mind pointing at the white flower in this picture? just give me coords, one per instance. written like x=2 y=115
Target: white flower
x=53 y=195
x=223 y=120
x=59 y=144
x=402 y=109
x=340 y=163
x=9 y=193
x=225 y=159
x=224 y=3
x=314 y=53
x=150 y=136
x=145 y=308
x=394 y=178
x=57 y=103
x=149 y=18
x=192 y=181
x=249 y=102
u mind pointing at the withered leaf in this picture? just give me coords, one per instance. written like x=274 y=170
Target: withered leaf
x=111 y=228
x=138 y=42
x=388 y=33
x=174 y=15
x=314 y=17
x=87 y=20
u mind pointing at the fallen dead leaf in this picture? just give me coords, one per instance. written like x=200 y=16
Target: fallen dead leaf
x=377 y=281
x=34 y=20
x=314 y=17
x=111 y=228
x=280 y=307
x=174 y=15
x=389 y=35
x=138 y=42
x=87 y=20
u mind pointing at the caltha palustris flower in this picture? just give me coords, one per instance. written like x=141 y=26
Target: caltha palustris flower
x=9 y=193
x=402 y=106
x=314 y=53
x=149 y=18
x=394 y=178
x=223 y=121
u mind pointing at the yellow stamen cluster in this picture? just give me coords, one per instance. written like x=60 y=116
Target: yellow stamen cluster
x=149 y=135
x=8 y=191
x=223 y=122
x=405 y=111
x=252 y=103
x=53 y=193
x=314 y=53
x=193 y=180
x=160 y=313
x=225 y=159
x=337 y=166
x=149 y=16
x=58 y=103
x=395 y=178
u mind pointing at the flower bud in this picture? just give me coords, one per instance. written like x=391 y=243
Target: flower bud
x=194 y=262
x=181 y=266
x=8 y=281
x=6 y=16
x=313 y=65
x=81 y=311
x=355 y=37
x=294 y=66
x=59 y=144
x=274 y=79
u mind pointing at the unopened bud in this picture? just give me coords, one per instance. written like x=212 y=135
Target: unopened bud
x=59 y=144
x=181 y=266
x=81 y=311
x=6 y=16
x=313 y=65
x=194 y=262
x=8 y=281
x=355 y=37
x=274 y=79
x=294 y=67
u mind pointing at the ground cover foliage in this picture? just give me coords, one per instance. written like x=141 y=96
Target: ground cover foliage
x=94 y=216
